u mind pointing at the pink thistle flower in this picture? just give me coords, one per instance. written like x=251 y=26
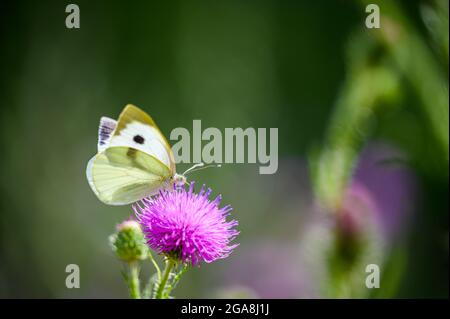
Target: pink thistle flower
x=187 y=225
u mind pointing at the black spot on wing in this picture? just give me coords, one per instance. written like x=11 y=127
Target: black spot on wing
x=139 y=139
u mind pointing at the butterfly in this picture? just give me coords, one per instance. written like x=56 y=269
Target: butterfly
x=134 y=159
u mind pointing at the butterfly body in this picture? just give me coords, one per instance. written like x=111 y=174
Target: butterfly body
x=134 y=159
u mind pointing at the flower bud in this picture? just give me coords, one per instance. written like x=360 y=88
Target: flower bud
x=128 y=243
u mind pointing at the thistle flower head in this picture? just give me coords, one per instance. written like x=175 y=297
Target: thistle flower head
x=187 y=225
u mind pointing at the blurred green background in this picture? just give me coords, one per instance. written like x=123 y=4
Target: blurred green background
x=311 y=69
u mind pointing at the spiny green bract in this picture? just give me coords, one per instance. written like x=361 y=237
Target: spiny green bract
x=128 y=243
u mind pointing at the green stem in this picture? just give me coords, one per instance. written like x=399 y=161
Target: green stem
x=155 y=264
x=163 y=280
x=148 y=289
x=133 y=280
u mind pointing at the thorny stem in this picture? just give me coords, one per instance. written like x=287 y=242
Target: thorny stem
x=177 y=277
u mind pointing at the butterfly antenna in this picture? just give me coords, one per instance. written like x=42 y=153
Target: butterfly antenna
x=193 y=168
x=200 y=166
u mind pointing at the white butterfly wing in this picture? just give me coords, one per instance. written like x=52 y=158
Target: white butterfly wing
x=134 y=159
x=144 y=138
x=136 y=129
x=123 y=175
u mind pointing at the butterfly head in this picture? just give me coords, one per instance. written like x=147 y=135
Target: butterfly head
x=178 y=180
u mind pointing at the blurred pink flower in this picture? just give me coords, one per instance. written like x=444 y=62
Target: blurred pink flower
x=383 y=172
